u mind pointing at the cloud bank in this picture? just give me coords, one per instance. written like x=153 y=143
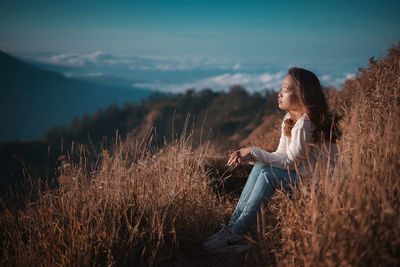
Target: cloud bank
x=158 y=63
x=252 y=82
x=171 y=73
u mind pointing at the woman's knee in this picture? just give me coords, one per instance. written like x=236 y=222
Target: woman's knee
x=267 y=172
x=256 y=170
x=265 y=175
x=274 y=175
x=283 y=177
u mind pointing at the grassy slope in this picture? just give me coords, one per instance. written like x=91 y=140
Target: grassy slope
x=132 y=205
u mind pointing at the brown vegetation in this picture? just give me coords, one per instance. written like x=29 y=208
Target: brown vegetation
x=352 y=217
x=135 y=204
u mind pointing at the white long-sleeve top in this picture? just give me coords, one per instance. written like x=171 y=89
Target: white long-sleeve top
x=298 y=153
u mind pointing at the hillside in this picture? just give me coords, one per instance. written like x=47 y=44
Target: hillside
x=133 y=204
x=216 y=116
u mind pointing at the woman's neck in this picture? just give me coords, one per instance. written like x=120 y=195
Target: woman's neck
x=295 y=115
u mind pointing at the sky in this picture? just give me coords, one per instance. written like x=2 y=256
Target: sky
x=243 y=40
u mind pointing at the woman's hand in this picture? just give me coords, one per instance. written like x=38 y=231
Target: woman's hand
x=240 y=156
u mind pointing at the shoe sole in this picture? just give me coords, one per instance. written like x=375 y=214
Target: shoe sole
x=232 y=248
x=211 y=238
x=239 y=247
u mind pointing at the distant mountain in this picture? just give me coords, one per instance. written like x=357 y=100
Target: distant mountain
x=33 y=100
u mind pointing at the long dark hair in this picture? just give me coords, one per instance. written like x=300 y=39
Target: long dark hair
x=309 y=91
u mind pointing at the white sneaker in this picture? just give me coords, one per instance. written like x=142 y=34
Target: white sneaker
x=225 y=228
x=227 y=241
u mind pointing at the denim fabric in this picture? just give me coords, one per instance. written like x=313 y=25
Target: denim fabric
x=261 y=184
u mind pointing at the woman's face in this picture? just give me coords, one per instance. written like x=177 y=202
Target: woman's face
x=287 y=98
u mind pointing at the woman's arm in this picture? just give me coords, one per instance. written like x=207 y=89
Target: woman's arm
x=282 y=141
x=245 y=155
x=296 y=152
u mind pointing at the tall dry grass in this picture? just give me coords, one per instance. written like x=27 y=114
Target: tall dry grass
x=132 y=205
x=352 y=217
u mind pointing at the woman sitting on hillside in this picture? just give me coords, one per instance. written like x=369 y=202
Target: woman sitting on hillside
x=309 y=134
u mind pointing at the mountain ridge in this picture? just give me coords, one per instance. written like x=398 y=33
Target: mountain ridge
x=34 y=100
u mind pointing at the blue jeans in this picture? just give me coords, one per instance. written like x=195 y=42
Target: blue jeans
x=261 y=184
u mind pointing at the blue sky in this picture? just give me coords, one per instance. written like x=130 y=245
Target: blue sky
x=332 y=38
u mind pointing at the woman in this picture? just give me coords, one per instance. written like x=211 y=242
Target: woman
x=309 y=134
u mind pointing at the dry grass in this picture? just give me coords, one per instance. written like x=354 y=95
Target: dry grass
x=133 y=205
x=351 y=218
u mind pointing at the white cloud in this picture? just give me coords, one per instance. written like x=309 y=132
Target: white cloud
x=325 y=78
x=73 y=59
x=181 y=63
x=91 y=74
x=350 y=75
x=140 y=62
x=94 y=57
x=267 y=77
x=64 y=59
x=252 y=74
x=252 y=82
x=96 y=74
x=336 y=81
x=118 y=61
x=167 y=67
